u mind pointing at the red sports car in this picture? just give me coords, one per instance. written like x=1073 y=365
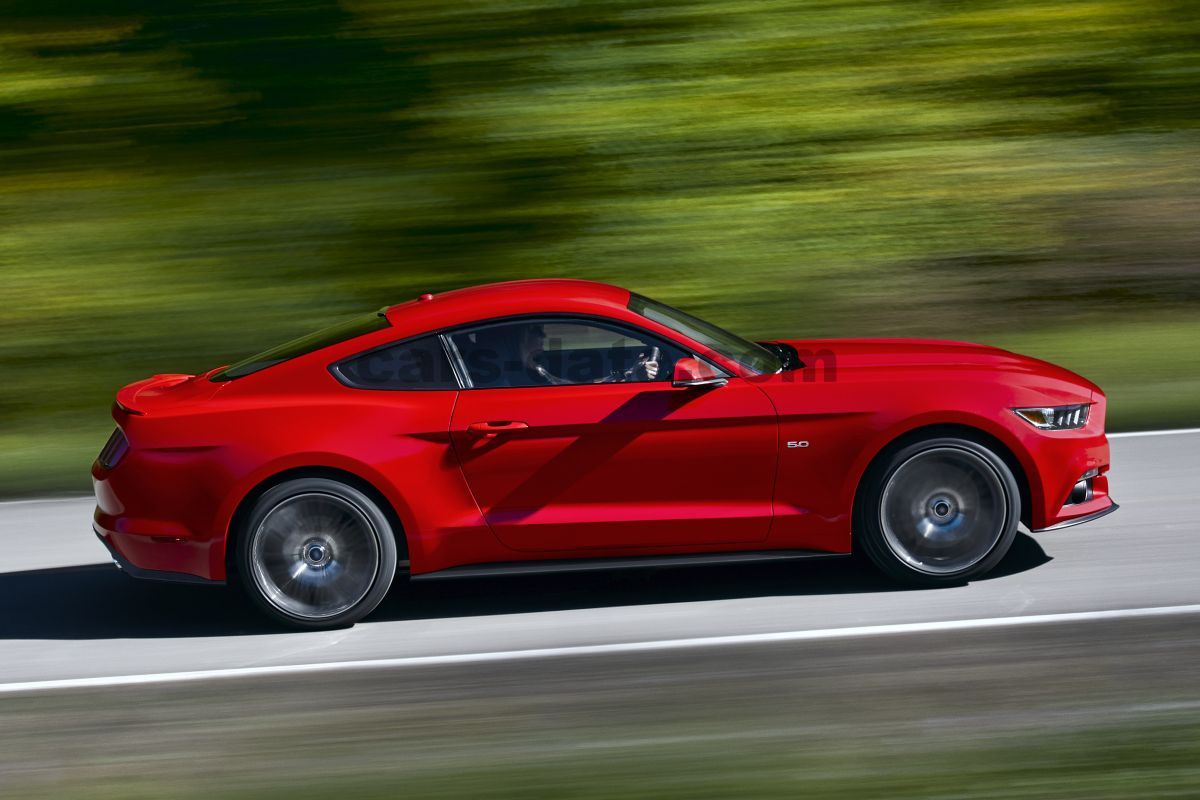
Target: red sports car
x=558 y=424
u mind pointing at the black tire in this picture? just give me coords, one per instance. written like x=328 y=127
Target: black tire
x=938 y=512
x=316 y=554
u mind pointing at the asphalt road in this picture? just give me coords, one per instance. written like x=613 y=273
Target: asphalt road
x=817 y=678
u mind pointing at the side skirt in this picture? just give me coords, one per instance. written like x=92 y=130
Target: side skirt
x=551 y=566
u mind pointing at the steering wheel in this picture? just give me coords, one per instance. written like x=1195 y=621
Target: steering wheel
x=631 y=374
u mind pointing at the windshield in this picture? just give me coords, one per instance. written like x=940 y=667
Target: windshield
x=305 y=344
x=733 y=347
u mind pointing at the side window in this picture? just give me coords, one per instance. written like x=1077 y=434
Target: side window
x=417 y=364
x=561 y=352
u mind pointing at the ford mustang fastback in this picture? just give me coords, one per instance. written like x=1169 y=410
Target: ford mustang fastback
x=557 y=424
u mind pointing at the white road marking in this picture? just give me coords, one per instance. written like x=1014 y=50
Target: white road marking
x=28 y=501
x=1174 y=432
x=595 y=649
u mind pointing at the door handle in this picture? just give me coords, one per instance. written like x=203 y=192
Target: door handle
x=489 y=429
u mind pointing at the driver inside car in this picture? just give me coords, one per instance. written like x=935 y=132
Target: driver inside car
x=532 y=347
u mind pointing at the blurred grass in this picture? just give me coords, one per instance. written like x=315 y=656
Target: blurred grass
x=1047 y=714
x=184 y=183
x=1100 y=763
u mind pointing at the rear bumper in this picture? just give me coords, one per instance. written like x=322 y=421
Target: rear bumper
x=157 y=517
x=133 y=570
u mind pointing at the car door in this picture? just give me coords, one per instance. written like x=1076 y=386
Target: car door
x=571 y=445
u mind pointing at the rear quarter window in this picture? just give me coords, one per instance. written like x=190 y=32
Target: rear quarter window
x=415 y=364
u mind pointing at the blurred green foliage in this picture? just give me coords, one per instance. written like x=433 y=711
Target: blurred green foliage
x=183 y=183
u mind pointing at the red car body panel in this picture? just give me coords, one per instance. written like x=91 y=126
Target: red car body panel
x=884 y=389
x=764 y=462
x=621 y=465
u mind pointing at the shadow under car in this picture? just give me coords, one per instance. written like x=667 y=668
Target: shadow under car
x=99 y=602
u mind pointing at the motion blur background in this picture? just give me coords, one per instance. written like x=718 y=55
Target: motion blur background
x=183 y=183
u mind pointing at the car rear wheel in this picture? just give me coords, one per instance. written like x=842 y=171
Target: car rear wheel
x=317 y=553
x=939 y=511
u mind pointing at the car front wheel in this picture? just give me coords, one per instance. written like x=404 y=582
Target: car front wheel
x=939 y=511
x=316 y=553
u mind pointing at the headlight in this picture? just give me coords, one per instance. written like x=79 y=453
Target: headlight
x=1055 y=418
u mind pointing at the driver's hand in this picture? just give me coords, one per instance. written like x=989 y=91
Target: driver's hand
x=651 y=368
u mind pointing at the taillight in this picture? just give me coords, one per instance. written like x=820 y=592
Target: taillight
x=114 y=449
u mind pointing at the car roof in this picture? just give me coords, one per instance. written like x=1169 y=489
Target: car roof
x=509 y=298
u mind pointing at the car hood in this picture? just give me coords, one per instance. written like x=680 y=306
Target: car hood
x=853 y=354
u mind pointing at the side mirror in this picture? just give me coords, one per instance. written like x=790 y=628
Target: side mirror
x=694 y=372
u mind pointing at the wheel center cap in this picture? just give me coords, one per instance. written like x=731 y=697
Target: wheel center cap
x=316 y=553
x=942 y=509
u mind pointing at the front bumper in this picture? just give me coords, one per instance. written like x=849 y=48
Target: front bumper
x=1058 y=462
x=1104 y=512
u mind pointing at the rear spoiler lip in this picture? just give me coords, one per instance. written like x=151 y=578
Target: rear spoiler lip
x=126 y=401
x=120 y=408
